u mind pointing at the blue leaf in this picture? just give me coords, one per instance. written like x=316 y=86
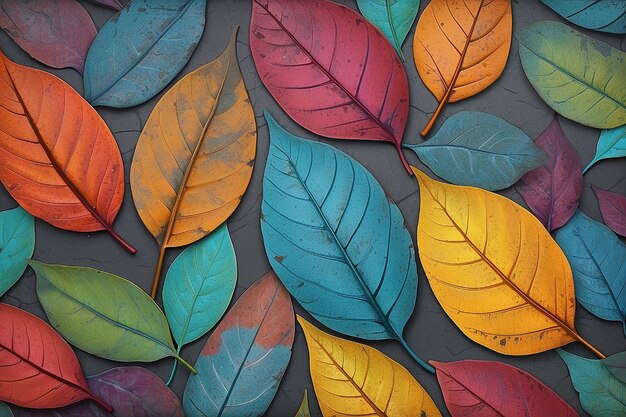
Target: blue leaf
x=335 y=239
x=5 y=411
x=141 y=49
x=598 y=260
x=480 y=150
x=601 y=15
x=199 y=286
x=394 y=18
x=612 y=144
x=602 y=394
x=17 y=243
x=243 y=361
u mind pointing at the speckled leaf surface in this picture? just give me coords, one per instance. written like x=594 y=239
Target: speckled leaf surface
x=17 y=243
x=602 y=15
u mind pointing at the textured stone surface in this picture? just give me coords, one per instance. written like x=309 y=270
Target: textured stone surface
x=429 y=332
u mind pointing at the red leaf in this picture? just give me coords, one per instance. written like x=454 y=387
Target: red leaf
x=613 y=209
x=58 y=158
x=552 y=191
x=330 y=69
x=494 y=389
x=57 y=33
x=38 y=369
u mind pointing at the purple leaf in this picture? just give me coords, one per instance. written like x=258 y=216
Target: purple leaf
x=552 y=191
x=131 y=391
x=613 y=209
x=56 y=33
x=113 y=4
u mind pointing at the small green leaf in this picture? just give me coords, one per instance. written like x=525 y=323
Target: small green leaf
x=602 y=393
x=103 y=314
x=580 y=77
x=303 y=411
x=612 y=144
x=17 y=243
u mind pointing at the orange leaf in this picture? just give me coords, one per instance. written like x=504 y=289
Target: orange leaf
x=194 y=158
x=58 y=158
x=461 y=47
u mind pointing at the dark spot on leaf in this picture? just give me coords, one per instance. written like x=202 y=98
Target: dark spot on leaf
x=279 y=258
x=503 y=342
x=259 y=35
x=141 y=9
x=250 y=163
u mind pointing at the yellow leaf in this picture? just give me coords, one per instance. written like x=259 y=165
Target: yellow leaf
x=495 y=270
x=351 y=379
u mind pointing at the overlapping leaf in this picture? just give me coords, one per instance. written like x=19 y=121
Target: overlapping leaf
x=330 y=70
x=351 y=379
x=552 y=191
x=613 y=209
x=199 y=286
x=335 y=240
x=394 y=18
x=38 y=369
x=103 y=314
x=612 y=144
x=495 y=270
x=141 y=49
x=303 y=411
x=602 y=390
x=132 y=391
x=17 y=243
x=5 y=411
x=57 y=33
x=601 y=15
x=494 y=389
x=243 y=361
x=59 y=159
x=113 y=4
x=461 y=47
x=580 y=77
x=194 y=158
x=481 y=150
x=598 y=260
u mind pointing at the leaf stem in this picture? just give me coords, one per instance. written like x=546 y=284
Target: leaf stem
x=157 y=274
x=184 y=362
x=423 y=364
x=589 y=346
x=403 y=159
x=101 y=403
x=171 y=378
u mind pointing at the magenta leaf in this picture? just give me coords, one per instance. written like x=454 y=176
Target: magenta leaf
x=553 y=190
x=613 y=209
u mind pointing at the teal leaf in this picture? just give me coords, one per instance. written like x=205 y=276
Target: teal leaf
x=601 y=15
x=602 y=394
x=581 y=78
x=336 y=240
x=17 y=243
x=394 y=18
x=616 y=364
x=479 y=150
x=5 y=411
x=598 y=261
x=141 y=49
x=199 y=286
x=612 y=144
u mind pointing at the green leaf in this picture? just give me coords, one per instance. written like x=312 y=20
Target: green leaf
x=602 y=394
x=394 y=18
x=303 y=411
x=17 y=243
x=616 y=364
x=103 y=314
x=581 y=78
x=612 y=144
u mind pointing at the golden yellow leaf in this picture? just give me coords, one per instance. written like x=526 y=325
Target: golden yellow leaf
x=351 y=379
x=495 y=270
x=461 y=47
x=194 y=158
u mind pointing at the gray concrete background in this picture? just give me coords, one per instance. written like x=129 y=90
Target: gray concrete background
x=429 y=331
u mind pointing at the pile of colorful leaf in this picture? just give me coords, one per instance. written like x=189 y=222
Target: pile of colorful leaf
x=508 y=278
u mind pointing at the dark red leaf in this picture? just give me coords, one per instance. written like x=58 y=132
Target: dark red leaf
x=57 y=33
x=613 y=209
x=552 y=191
x=38 y=369
x=494 y=389
x=330 y=69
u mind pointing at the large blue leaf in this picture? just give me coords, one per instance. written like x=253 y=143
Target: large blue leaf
x=601 y=15
x=602 y=392
x=612 y=144
x=394 y=18
x=335 y=239
x=141 y=49
x=598 y=261
x=243 y=361
x=480 y=150
x=17 y=243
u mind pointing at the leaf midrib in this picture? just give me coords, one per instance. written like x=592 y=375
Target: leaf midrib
x=141 y=57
